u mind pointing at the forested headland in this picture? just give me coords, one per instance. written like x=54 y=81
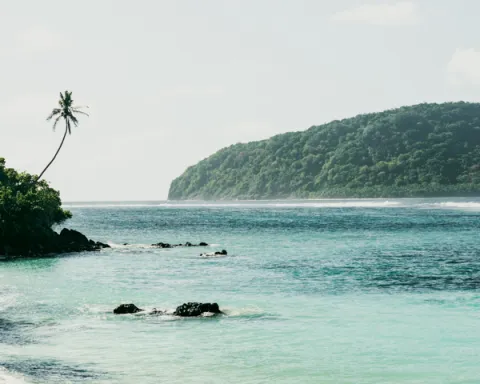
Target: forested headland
x=415 y=151
x=29 y=207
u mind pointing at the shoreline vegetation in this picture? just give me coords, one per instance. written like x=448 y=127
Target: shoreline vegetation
x=28 y=210
x=425 y=150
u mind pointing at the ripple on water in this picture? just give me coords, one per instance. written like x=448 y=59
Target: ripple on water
x=15 y=332
x=50 y=371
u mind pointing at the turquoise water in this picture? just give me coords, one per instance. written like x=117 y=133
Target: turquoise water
x=334 y=291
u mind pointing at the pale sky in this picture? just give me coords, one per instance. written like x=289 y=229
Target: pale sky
x=169 y=83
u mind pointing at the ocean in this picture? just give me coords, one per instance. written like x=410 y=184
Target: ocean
x=319 y=291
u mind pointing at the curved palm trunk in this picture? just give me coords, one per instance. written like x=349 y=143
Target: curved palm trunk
x=56 y=153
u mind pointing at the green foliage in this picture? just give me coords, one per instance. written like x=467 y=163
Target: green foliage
x=66 y=111
x=28 y=209
x=422 y=150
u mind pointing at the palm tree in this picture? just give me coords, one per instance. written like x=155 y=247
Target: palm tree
x=67 y=111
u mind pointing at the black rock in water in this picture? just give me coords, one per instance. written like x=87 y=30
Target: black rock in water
x=162 y=245
x=124 y=309
x=223 y=252
x=187 y=244
x=196 y=309
x=70 y=240
x=71 y=236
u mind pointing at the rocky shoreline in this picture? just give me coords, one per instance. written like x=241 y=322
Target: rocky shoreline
x=72 y=241
x=51 y=243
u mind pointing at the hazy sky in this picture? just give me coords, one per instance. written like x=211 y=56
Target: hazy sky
x=171 y=82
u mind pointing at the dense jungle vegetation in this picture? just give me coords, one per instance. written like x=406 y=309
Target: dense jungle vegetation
x=421 y=150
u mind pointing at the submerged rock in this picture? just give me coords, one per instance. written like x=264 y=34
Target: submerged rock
x=162 y=245
x=197 y=309
x=187 y=244
x=124 y=309
x=223 y=252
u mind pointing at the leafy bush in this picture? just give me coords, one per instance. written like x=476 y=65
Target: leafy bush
x=28 y=209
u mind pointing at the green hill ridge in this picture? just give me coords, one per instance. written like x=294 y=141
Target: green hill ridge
x=414 y=151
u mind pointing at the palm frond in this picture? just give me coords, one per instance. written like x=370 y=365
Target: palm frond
x=68 y=98
x=74 y=119
x=56 y=121
x=61 y=101
x=81 y=112
x=68 y=126
x=55 y=111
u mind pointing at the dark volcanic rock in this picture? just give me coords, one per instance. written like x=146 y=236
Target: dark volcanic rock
x=49 y=243
x=102 y=245
x=73 y=237
x=126 y=308
x=162 y=245
x=70 y=240
x=202 y=244
x=196 y=309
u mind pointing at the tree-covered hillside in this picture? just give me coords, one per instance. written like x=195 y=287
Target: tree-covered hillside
x=422 y=150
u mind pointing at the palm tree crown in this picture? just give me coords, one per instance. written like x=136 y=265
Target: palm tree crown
x=66 y=111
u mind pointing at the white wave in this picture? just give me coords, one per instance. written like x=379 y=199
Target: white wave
x=7 y=377
x=108 y=205
x=95 y=309
x=243 y=312
x=462 y=205
x=123 y=246
x=207 y=314
x=342 y=204
x=7 y=299
x=319 y=203
x=309 y=204
x=211 y=255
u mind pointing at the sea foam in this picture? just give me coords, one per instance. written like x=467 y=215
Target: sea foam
x=7 y=377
